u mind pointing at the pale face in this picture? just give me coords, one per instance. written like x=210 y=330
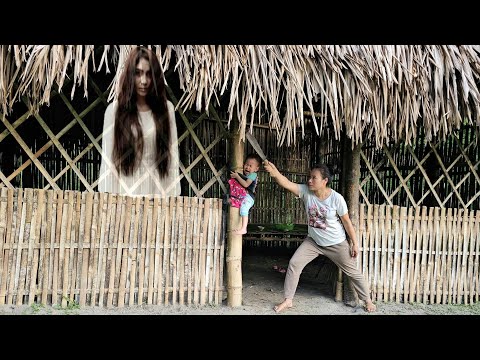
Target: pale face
x=143 y=78
x=251 y=165
x=316 y=181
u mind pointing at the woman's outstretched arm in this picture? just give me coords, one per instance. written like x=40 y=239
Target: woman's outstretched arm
x=280 y=179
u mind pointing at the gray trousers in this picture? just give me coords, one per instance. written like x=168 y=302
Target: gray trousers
x=339 y=254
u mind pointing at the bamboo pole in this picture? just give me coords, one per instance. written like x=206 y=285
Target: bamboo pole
x=443 y=258
x=35 y=244
x=234 y=242
x=4 y=238
x=160 y=218
x=477 y=256
x=133 y=251
x=124 y=251
x=189 y=242
x=150 y=253
x=23 y=245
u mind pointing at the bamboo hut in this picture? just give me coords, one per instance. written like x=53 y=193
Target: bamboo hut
x=400 y=122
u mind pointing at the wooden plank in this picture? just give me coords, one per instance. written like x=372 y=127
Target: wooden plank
x=408 y=271
x=361 y=241
x=159 y=249
x=203 y=246
x=103 y=249
x=451 y=256
x=112 y=251
x=133 y=250
x=456 y=248
x=430 y=255
x=414 y=288
x=166 y=249
x=192 y=211
x=458 y=267
x=4 y=224
x=141 y=251
x=477 y=256
x=86 y=246
x=39 y=203
x=376 y=281
x=446 y=296
x=45 y=254
x=383 y=253
x=198 y=203
x=443 y=259
x=389 y=253
x=173 y=244
x=77 y=256
x=119 y=237
x=463 y=253
x=210 y=252
x=94 y=247
x=17 y=232
x=213 y=298
x=151 y=248
x=403 y=256
x=156 y=244
x=182 y=228
x=471 y=250
x=396 y=253
x=423 y=249
x=65 y=239
x=222 y=253
x=70 y=258
x=125 y=252
x=434 y=292
x=23 y=245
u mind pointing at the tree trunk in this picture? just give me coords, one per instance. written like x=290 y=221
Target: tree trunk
x=351 y=192
x=234 y=242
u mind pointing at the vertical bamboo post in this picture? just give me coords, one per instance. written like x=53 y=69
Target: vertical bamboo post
x=351 y=181
x=234 y=242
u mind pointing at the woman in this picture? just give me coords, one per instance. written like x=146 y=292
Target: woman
x=139 y=144
x=326 y=235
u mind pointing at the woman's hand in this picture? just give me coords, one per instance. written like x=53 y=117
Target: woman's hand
x=271 y=168
x=234 y=175
x=354 y=250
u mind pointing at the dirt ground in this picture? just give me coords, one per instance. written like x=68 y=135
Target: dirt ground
x=262 y=289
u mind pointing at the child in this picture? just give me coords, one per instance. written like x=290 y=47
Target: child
x=248 y=181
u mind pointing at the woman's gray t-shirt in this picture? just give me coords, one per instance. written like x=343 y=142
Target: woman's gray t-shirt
x=324 y=224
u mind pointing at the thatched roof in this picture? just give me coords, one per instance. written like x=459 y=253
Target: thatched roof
x=375 y=91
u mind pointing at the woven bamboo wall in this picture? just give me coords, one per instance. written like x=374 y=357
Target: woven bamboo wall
x=98 y=249
x=60 y=149
x=423 y=255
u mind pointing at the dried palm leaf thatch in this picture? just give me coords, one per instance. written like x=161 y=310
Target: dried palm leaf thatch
x=382 y=92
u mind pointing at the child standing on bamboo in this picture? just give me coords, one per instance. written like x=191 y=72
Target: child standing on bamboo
x=248 y=180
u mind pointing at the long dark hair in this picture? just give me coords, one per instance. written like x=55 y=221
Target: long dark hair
x=128 y=135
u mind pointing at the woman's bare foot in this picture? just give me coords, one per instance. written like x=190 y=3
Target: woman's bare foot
x=370 y=306
x=239 y=231
x=286 y=304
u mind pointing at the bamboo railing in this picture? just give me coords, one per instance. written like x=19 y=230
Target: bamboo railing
x=99 y=249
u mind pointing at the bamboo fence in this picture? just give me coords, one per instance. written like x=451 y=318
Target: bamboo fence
x=98 y=249
x=422 y=255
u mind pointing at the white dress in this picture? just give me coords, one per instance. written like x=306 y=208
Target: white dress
x=145 y=179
